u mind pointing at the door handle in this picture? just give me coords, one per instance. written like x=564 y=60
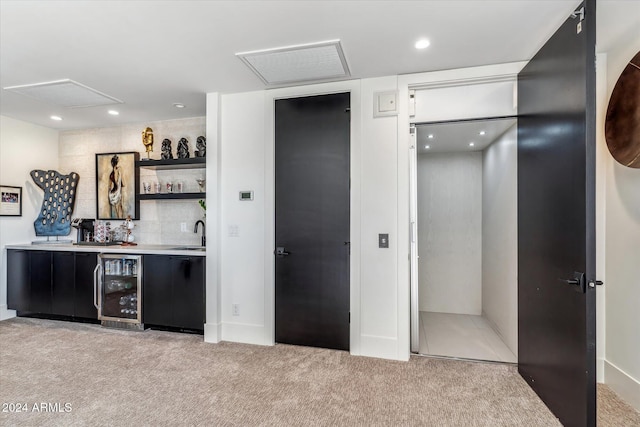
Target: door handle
x=577 y=280
x=96 y=280
x=281 y=251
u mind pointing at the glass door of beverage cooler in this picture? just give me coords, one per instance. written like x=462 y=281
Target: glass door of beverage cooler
x=119 y=290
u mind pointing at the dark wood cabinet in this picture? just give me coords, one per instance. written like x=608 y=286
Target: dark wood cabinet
x=62 y=283
x=41 y=297
x=157 y=290
x=18 y=280
x=85 y=264
x=188 y=292
x=173 y=291
x=51 y=282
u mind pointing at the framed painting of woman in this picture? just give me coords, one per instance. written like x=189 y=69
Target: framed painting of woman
x=116 y=186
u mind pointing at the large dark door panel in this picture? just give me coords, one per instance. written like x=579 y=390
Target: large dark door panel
x=312 y=220
x=556 y=224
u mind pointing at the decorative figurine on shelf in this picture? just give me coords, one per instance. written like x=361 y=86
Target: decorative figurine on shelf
x=201 y=145
x=54 y=217
x=183 y=148
x=128 y=224
x=201 y=183
x=147 y=141
x=166 y=150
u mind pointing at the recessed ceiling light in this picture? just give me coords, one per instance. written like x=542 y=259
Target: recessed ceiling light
x=471 y=144
x=178 y=105
x=482 y=132
x=113 y=112
x=430 y=136
x=422 y=44
x=427 y=146
x=56 y=118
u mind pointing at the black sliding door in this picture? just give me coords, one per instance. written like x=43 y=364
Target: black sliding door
x=556 y=220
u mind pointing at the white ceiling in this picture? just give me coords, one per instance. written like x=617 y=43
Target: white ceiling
x=151 y=54
x=451 y=137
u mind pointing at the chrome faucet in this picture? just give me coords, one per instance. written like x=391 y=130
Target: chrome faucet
x=195 y=230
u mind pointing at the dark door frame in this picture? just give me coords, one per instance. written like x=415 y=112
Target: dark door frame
x=353 y=87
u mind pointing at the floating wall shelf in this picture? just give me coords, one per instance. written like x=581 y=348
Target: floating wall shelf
x=167 y=196
x=190 y=163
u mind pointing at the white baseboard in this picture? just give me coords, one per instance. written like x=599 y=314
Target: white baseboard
x=600 y=370
x=627 y=387
x=380 y=347
x=212 y=333
x=244 y=333
x=5 y=313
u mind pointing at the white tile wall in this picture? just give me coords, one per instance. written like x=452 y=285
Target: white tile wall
x=160 y=220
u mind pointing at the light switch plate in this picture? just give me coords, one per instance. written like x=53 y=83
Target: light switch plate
x=383 y=240
x=245 y=196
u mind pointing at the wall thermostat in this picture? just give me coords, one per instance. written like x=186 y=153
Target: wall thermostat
x=246 y=196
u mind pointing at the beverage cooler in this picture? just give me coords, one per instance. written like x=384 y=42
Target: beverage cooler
x=118 y=291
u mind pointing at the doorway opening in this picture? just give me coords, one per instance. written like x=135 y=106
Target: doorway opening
x=466 y=238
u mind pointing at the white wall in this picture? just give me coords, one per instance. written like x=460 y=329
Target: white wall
x=622 y=283
x=212 y=326
x=243 y=223
x=500 y=236
x=450 y=232
x=23 y=147
x=246 y=163
x=602 y=165
x=160 y=220
x=434 y=103
x=379 y=268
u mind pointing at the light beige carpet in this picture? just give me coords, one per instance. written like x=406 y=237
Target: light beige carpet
x=151 y=378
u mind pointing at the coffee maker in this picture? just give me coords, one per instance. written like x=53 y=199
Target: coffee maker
x=85 y=229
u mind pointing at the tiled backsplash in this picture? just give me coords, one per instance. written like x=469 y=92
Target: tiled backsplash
x=160 y=220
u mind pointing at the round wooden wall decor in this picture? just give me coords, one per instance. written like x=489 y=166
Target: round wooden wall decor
x=622 y=125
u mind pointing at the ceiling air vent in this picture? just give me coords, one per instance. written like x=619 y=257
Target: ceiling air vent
x=65 y=93
x=297 y=64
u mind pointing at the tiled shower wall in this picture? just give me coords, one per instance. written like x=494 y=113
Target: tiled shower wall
x=160 y=220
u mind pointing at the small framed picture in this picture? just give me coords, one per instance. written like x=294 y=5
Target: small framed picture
x=116 y=185
x=10 y=201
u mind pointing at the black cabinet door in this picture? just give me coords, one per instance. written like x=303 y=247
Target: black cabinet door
x=18 y=280
x=156 y=290
x=62 y=287
x=188 y=292
x=83 y=296
x=40 y=282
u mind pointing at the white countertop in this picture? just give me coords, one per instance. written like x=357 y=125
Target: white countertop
x=138 y=249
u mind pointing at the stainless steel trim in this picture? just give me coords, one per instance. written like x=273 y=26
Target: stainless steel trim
x=413 y=248
x=95 y=285
x=109 y=321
